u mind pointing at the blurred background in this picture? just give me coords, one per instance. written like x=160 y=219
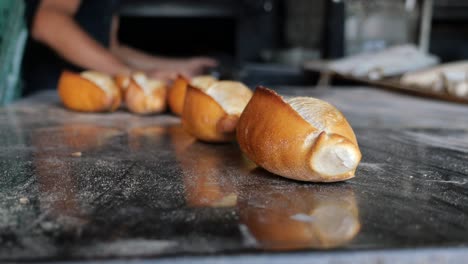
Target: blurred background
x=261 y=41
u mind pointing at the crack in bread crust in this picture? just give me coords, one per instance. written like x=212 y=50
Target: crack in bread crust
x=102 y=81
x=146 y=84
x=232 y=96
x=316 y=112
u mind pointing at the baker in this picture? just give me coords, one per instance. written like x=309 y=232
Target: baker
x=82 y=34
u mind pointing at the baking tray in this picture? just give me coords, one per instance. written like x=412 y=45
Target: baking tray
x=390 y=83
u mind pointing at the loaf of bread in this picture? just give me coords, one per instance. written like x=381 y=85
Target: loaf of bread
x=392 y=61
x=450 y=78
x=211 y=114
x=301 y=138
x=143 y=95
x=122 y=81
x=176 y=95
x=89 y=91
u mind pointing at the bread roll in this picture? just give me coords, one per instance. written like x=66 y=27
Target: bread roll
x=176 y=95
x=144 y=95
x=301 y=138
x=211 y=115
x=89 y=91
x=437 y=78
x=122 y=81
x=459 y=89
x=392 y=61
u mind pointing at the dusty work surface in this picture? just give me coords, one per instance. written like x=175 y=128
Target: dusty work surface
x=92 y=186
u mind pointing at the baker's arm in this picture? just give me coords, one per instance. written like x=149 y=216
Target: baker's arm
x=154 y=65
x=54 y=26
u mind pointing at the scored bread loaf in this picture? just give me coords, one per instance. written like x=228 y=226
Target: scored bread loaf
x=89 y=91
x=211 y=114
x=176 y=94
x=301 y=138
x=437 y=78
x=143 y=95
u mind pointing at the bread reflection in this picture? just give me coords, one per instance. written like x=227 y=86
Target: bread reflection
x=141 y=137
x=55 y=167
x=77 y=137
x=180 y=139
x=298 y=217
x=279 y=214
x=205 y=170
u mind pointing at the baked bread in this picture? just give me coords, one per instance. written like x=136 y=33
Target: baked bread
x=176 y=94
x=301 y=138
x=211 y=115
x=89 y=91
x=439 y=78
x=122 y=81
x=144 y=95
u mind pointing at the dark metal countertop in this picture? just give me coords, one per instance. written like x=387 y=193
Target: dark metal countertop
x=143 y=188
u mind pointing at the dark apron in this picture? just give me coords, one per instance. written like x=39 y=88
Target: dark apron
x=41 y=65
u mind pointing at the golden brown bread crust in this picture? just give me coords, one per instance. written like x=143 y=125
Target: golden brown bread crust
x=203 y=82
x=122 y=81
x=227 y=123
x=176 y=95
x=273 y=135
x=137 y=101
x=79 y=94
x=201 y=116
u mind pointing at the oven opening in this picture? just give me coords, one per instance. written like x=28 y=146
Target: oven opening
x=186 y=36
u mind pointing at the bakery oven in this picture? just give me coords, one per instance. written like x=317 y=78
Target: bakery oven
x=236 y=32
x=231 y=30
x=239 y=33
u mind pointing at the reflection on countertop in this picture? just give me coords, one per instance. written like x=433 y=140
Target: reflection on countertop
x=78 y=186
x=278 y=219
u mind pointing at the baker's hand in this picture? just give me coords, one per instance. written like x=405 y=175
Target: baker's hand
x=186 y=67
x=198 y=65
x=193 y=66
x=163 y=75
